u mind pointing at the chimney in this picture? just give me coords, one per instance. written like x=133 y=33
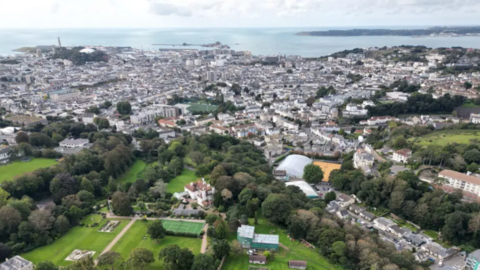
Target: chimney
x=191 y=184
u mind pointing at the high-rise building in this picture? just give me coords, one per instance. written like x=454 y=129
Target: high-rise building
x=211 y=76
x=59 y=42
x=39 y=53
x=473 y=260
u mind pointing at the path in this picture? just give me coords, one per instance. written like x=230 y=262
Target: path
x=204 y=240
x=283 y=246
x=114 y=241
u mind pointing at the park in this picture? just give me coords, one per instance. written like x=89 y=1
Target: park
x=445 y=137
x=18 y=168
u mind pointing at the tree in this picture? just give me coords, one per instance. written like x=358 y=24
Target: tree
x=400 y=143
x=156 y=230
x=277 y=208
x=203 y=262
x=139 y=258
x=467 y=85
x=109 y=258
x=176 y=258
x=46 y=265
x=85 y=263
x=472 y=155
x=221 y=229
x=23 y=206
x=267 y=254
x=5 y=252
x=62 y=185
x=245 y=195
x=221 y=248
x=42 y=220
x=217 y=172
x=211 y=218
x=121 y=204
x=10 y=218
x=310 y=101
x=62 y=225
x=176 y=166
x=473 y=167
x=124 y=107
x=236 y=248
x=107 y=104
x=4 y=196
x=40 y=140
x=253 y=205
x=86 y=185
x=159 y=189
x=330 y=196
x=22 y=137
x=313 y=174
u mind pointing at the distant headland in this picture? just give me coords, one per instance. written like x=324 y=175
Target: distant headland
x=453 y=31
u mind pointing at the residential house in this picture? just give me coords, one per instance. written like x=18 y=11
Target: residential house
x=166 y=134
x=380 y=120
x=367 y=215
x=356 y=209
x=414 y=239
x=396 y=230
x=219 y=129
x=473 y=261
x=343 y=214
x=402 y=155
x=5 y=153
x=469 y=184
x=382 y=223
x=257 y=259
x=16 y=263
x=438 y=251
x=297 y=265
x=475 y=118
x=344 y=200
x=202 y=192
x=74 y=143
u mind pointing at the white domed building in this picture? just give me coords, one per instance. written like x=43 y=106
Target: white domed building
x=87 y=50
x=294 y=165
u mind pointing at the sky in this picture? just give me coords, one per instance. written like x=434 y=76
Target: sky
x=235 y=13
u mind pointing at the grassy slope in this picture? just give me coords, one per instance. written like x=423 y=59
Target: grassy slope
x=18 y=168
x=131 y=175
x=297 y=252
x=177 y=184
x=77 y=238
x=134 y=239
x=451 y=136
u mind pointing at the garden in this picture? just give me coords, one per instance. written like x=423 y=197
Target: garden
x=79 y=237
x=288 y=250
x=18 y=168
x=137 y=237
x=134 y=172
x=178 y=183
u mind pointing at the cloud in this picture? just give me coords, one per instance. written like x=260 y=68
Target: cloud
x=55 y=7
x=166 y=9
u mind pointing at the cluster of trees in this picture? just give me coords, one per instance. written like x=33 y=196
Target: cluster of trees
x=324 y=91
x=124 y=107
x=419 y=104
x=404 y=86
x=79 y=58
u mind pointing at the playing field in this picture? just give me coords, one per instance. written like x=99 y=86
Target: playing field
x=18 y=168
x=137 y=237
x=132 y=174
x=445 y=137
x=183 y=226
x=327 y=168
x=195 y=107
x=178 y=183
x=84 y=238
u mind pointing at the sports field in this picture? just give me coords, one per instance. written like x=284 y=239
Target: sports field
x=183 y=226
x=137 y=237
x=445 y=137
x=195 y=107
x=18 y=168
x=327 y=168
x=84 y=238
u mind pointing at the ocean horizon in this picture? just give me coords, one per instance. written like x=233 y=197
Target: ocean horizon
x=259 y=41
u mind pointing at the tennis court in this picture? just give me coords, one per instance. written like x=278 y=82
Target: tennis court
x=183 y=226
x=195 y=107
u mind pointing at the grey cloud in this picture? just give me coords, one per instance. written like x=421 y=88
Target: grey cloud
x=164 y=9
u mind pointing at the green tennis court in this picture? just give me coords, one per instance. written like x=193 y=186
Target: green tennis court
x=183 y=226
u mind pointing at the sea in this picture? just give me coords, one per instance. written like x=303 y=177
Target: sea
x=259 y=41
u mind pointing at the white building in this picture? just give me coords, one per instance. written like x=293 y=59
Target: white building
x=5 y=152
x=16 y=263
x=73 y=143
x=469 y=184
x=382 y=223
x=65 y=94
x=402 y=155
x=475 y=118
x=201 y=191
x=380 y=120
x=362 y=160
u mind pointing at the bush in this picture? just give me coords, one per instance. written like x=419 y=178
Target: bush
x=184 y=234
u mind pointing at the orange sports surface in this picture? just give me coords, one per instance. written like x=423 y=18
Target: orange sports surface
x=327 y=168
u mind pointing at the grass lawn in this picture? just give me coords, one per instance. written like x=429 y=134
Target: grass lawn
x=131 y=175
x=470 y=105
x=202 y=107
x=104 y=209
x=18 y=168
x=183 y=226
x=134 y=239
x=297 y=251
x=90 y=219
x=177 y=184
x=77 y=238
x=432 y=234
x=445 y=137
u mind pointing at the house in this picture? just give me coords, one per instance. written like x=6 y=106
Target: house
x=297 y=264
x=396 y=230
x=219 y=129
x=16 y=263
x=356 y=209
x=382 y=223
x=74 y=143
x=201 y=191
x=363 y=160
x=475 y=118
x=367 y=215
x=380 y=120
x=249 y=239
x=344 y=200
x=166 y=134
x=414 y=240
x=469 y=184
x=5 y=153
x=402 y=155
x=257 y=259
x=343 y=214
x=438 y=251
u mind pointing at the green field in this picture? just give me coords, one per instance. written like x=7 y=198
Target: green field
x=445 y=137
x=134 y=239
x=18 y=168
x=195 y=107
x=183 y=226
x=432 y=234
x=470 y=105
x=297 y=251
x=84 y=238
x=131 y=175
x=90 y=219
x=178 y=183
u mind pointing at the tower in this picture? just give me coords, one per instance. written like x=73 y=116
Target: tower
x=59 y=42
